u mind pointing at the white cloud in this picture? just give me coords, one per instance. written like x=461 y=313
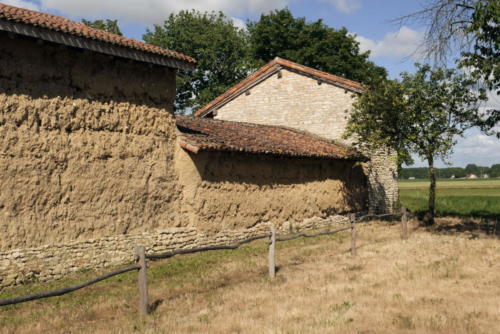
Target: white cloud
x=21 y=4
x=239 y=23
x=155 y=11
x=345 y=6
x=401 y=43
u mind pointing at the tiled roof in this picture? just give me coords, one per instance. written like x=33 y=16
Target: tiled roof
x=215 y=135
x=270 y=68
x=62 y=25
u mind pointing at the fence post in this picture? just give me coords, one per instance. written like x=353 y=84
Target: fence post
x=142 y=280
x=272 y=254
x=404 y=224
x=352 y=217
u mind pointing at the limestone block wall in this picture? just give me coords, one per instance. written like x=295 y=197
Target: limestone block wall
x=86 y=146
x=299 y=102
x=50 y=262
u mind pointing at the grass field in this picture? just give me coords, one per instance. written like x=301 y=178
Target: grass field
x=460 y=198
x=431 y=283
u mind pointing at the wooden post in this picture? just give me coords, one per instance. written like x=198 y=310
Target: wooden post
x=353 y=234
x=404 y=224
x=142 y=280
x=272 y=253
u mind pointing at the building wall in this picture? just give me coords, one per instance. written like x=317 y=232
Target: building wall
x=86 y=145
x=223 y=190
x=298 y=101
x=90 y=167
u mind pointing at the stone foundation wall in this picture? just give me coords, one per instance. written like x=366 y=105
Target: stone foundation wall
x=52 y=262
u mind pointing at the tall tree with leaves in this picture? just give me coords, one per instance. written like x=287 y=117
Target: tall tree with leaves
x=219 y=47
x=106 y=25
x=471 y=29
x=422 y=114
x=314 y=44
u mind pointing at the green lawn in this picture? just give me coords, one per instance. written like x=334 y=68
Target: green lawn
x=462 y=198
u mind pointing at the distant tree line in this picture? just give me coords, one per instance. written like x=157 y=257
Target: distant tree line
x=446 y=173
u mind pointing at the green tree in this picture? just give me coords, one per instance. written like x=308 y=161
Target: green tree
x=219 y=47
x=106 y=25
x=472 y=169
x=422 y=114
x=495 y=170
x=484 y=59
x=314 y=44
x=470 y=28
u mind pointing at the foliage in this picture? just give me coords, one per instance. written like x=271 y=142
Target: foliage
x=314 y=44
x=422 y=114
x=448 y=172
x=484 y=59
x=106 y=25
x=384 y=104
x=495 y=170
x=470 y=28
x=220 y=48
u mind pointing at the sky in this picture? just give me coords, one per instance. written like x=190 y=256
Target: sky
x=393 y=46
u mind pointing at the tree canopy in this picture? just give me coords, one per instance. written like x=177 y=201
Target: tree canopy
x=422 y=114
x=227 y=54
x=471 y=29
x=106 y=25
x=220 y=48
x=314 y=44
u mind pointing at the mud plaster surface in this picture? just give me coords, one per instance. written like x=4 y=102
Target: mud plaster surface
x=229 y=190
x=88 y=150
x=86 y=145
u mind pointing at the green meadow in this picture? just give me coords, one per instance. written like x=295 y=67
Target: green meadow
x=460 y=198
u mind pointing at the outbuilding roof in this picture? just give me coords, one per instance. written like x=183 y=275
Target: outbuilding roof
x=63 y=31
x=206 y=134
x=269 y=69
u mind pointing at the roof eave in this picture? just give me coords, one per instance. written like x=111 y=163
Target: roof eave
x=93 y=45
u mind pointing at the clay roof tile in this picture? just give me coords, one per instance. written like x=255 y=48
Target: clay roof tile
x=60 y=24
x=216 y=135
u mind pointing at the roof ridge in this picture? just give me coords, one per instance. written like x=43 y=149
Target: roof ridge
x=235 y=90
x=67 y=26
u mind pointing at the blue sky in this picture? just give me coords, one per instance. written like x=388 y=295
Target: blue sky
x=391 y=45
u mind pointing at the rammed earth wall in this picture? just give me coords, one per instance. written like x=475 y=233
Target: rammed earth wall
x=301 y=102
x=90 y=167
x=86 y=145
x=227 y=190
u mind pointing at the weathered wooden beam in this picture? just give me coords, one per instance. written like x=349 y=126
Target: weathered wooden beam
x=142 y=281
x=272 y=252
x=404 y=224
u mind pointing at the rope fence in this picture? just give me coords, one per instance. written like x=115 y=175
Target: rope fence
x=142 y=257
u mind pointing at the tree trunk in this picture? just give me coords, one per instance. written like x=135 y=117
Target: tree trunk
x=429 y=217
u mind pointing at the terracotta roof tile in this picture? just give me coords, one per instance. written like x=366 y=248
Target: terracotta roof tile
x=269 y=68
x=216 y=135
x=60 y=24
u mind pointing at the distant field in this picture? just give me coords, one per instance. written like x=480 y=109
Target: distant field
x=462 y=198
x=460 y=183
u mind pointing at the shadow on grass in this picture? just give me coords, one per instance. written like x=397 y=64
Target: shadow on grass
x=454 y=224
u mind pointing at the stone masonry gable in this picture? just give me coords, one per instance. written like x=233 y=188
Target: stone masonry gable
x=274 y=67
x=293 y=100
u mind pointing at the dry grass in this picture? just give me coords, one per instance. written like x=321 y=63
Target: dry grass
x=432 y=283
